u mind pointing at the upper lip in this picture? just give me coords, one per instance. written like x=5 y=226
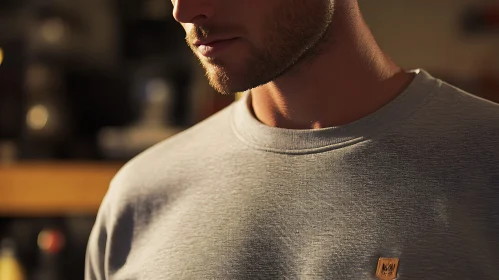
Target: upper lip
x=211 y=40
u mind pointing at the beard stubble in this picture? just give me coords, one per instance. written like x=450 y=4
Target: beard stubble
x=296 y=30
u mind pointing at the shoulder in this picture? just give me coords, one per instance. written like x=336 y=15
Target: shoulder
x=147 y=185
x=464 y=107
x=152 y=180
x=450 y=124
x=458 y=124
x=454 y=114
x=160 y=167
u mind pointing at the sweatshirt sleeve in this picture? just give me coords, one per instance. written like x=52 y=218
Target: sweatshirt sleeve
x=95 y=259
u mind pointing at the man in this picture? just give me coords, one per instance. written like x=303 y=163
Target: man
x=335 y=164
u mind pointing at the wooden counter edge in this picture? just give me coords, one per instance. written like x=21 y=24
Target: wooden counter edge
x=54 y=188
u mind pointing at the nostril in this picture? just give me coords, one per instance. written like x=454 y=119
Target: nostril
x=199 y=19
x=191 y=11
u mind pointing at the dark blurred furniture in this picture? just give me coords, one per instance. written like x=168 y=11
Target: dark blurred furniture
x=36 y=197
x=72 y=68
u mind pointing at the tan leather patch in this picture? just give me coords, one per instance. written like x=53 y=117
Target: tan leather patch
x=387 y=268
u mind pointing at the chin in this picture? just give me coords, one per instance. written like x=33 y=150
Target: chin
x=227 y=82
x=223 y=87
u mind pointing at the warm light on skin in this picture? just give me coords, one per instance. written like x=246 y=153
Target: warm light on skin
x=1 y=56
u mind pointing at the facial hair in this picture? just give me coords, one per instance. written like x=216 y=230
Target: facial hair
x=295 y=31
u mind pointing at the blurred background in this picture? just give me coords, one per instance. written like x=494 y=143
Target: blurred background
x=85 y=85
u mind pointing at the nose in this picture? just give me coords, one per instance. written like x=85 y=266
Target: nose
x=192 y=11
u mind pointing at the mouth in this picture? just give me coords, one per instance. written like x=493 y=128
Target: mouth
x=214 y=47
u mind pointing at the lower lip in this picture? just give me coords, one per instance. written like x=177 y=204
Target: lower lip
x=215 y=48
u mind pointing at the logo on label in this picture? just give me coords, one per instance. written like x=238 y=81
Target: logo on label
x=387 y=268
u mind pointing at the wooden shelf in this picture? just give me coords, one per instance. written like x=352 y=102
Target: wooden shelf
x=53 y=188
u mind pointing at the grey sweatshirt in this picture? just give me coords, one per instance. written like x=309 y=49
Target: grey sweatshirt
x=232 y=198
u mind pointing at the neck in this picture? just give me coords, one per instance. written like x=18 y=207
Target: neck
x=350 y=79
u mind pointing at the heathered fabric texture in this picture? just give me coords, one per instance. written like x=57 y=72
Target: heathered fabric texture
x=232 y=198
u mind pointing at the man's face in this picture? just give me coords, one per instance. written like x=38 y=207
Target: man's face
x=246 y=43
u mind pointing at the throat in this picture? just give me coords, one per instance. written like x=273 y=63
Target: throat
x=317 y=110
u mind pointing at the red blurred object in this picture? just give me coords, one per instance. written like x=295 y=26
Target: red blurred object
x=51 y=241
x=481 y=18
x=491 y=15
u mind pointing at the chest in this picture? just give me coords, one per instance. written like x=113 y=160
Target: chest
x=321 y=232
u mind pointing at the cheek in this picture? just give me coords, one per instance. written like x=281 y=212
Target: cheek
x=254 y=15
